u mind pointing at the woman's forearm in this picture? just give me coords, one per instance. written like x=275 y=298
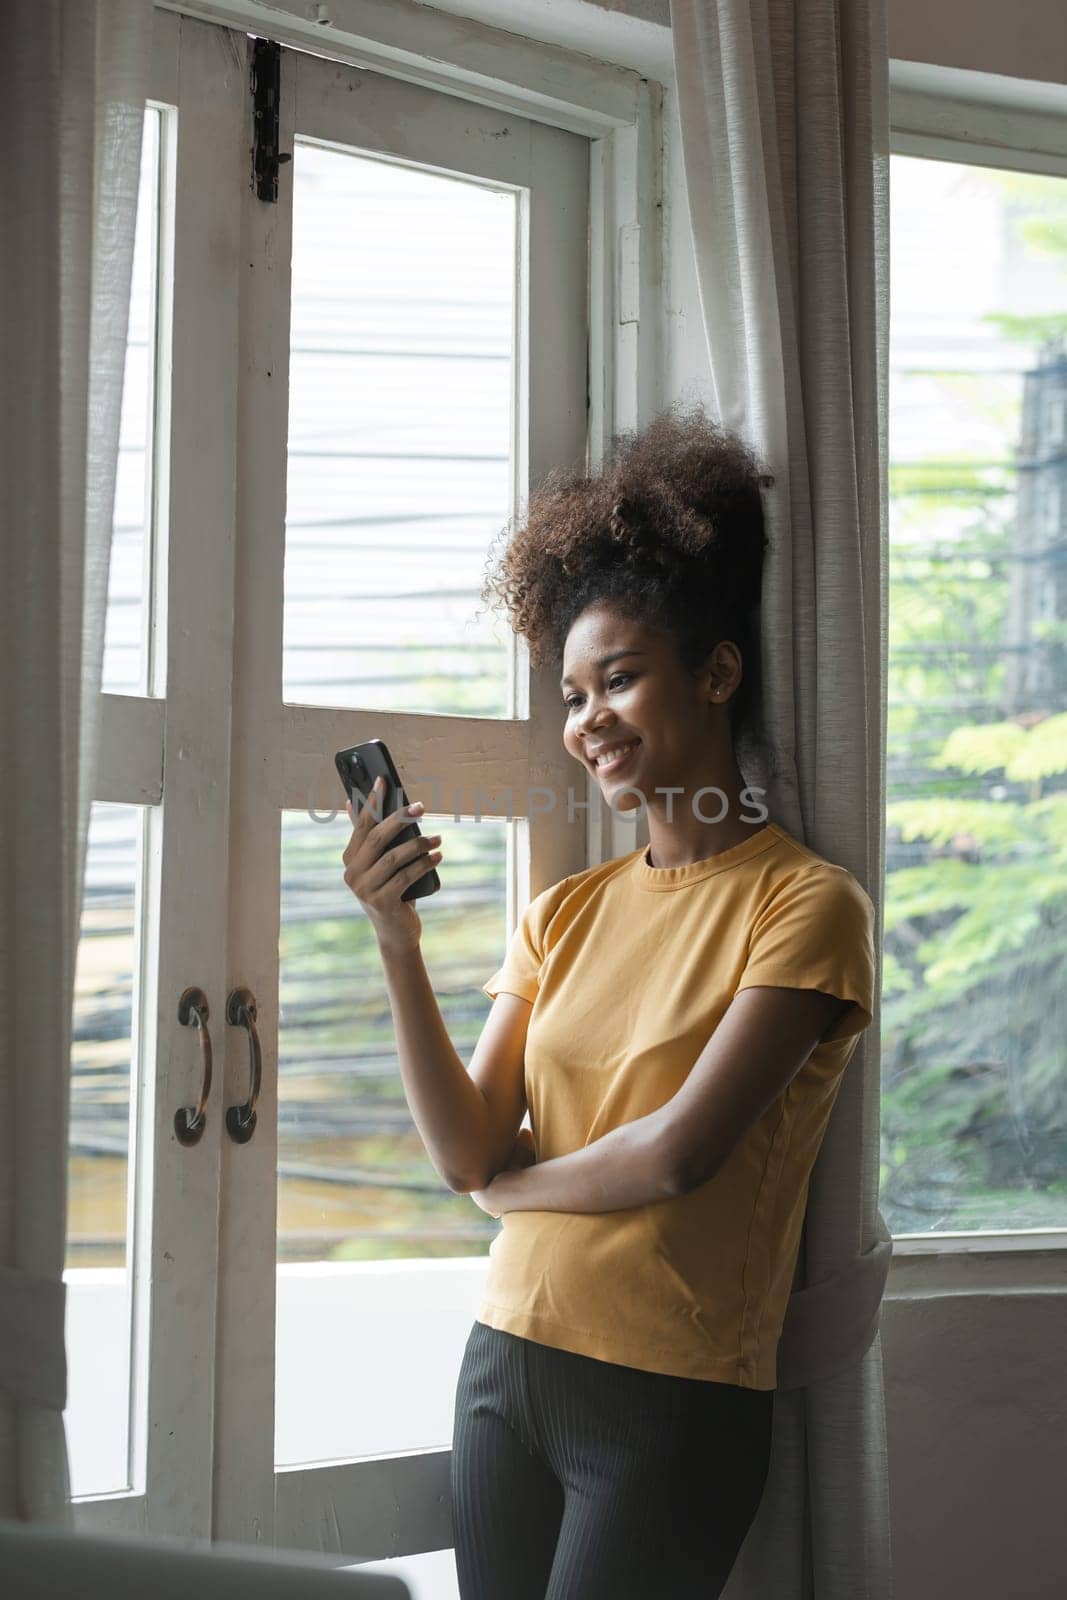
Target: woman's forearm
x=630 y=1166
x=450 y=1111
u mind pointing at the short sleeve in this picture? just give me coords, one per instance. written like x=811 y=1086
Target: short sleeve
x=817 y=932
x=521 y=969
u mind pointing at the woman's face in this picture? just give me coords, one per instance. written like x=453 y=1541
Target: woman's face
x=669 y=726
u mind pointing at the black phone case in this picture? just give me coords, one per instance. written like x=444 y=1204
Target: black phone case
x=357 y=768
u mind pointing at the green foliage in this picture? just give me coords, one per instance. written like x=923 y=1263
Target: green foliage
x=974 y=998
x=986 y=748
x=1037 y=211
x=1035 y=330
x=972 y=994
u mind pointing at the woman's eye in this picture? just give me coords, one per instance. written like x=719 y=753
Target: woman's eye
x=616 y=677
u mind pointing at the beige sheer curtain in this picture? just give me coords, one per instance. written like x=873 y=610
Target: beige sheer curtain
x=783 y=112
x=73 y=77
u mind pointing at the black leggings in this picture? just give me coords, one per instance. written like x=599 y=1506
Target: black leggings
x=579 y=1479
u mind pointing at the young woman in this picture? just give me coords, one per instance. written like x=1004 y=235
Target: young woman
x=677 y=1022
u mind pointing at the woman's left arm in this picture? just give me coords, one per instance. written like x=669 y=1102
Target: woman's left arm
x=627 y=1167
x=765 y=1037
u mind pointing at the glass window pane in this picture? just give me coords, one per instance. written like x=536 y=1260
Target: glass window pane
x=974 y=1113
x=400 y=420
x=357 y=1193
x=103 y=1049
x=125 y=669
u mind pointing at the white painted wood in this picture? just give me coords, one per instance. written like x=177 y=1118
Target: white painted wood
x=282 y=755
x=129 y=764
x=367 y=1510
x=1029 y=1244
x=177 y=752
x=553 y=406
x=451 y=763
x=244 y=1398
x=183 y=1235
x=943 y=1265
x=492 y=66
x=129 y=769
x=112 y=1513
x=626 y=315
x=165 y=78
x=954 y=115
x=944 y=84
x=402 y=118
x=962 y=150
x=166 y=32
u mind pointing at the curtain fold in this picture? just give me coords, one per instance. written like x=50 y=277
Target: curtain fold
x=75 y=76
x=784 y=126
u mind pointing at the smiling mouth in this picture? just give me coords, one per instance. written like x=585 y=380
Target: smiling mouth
x=605 y=769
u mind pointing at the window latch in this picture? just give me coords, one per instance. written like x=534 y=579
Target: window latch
x=265 y=83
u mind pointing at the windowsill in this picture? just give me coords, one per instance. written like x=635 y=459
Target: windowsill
x=1033 y=1261
x=1024 y=1242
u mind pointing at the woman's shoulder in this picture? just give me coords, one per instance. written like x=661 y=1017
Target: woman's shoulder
x=794 y=861
x=591 y=877
x=575 y=890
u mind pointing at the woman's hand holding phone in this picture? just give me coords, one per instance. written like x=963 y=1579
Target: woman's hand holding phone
x=378 y=872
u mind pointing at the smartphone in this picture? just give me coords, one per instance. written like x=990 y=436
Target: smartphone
x=357 y=769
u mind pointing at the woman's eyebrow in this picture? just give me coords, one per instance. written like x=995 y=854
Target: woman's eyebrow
x=604 y=662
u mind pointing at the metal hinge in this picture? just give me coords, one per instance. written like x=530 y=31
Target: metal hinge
x=265 y=83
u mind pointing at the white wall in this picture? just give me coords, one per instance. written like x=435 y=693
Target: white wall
x=976 y=1404
x=1023 y=40
x=1027 y=39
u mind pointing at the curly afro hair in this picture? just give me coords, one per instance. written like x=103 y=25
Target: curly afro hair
x=670 y=530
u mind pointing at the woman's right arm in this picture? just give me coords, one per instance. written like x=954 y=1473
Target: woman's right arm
x=468 y=1122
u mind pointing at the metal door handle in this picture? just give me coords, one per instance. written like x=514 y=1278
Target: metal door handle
x=190 y=1121
x=241 y=1013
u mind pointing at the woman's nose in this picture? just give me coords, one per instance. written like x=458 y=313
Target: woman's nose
x=594 y=721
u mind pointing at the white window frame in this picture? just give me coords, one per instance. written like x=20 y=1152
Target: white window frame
x=184 y=730
x=950 y=114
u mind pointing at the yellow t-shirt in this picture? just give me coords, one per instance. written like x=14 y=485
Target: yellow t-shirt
x=630 y=969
